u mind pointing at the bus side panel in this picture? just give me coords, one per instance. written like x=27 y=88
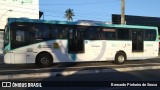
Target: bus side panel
x=110 y=51
x=150 y=49
x=7 y=58
x=31 y=57
x=94 y=51
x=102 y=50
x=114 y=46
x=59 y=51
x=57 y=48
x=28 y=54
x=19 y=57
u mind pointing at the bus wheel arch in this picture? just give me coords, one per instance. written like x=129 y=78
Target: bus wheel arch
x=44 y=59
x=120 y=57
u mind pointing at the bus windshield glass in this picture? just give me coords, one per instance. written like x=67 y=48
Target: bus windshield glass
x=6 y=36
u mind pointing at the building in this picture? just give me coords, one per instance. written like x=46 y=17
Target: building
x=137 y=20
x=16 y=9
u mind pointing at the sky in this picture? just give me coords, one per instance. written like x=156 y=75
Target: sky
x=98 y=10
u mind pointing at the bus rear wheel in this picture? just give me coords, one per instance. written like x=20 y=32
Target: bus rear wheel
x=120 y=58
x=44 y=60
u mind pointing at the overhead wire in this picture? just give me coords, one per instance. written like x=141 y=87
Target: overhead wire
x=80 y=13
x=68 y=3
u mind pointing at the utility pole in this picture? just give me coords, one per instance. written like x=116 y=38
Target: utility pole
x=122 y=12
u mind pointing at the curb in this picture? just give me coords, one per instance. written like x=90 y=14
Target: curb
x=67 y=73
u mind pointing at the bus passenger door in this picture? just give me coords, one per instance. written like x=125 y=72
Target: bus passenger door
x=137 y=43
x=80 y=41
x=72 y=41
x=75 y=41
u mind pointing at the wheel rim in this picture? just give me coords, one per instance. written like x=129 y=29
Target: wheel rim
x=121 y=58
x=44 y=60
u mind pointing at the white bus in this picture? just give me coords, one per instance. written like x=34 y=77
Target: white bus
x=47 y=42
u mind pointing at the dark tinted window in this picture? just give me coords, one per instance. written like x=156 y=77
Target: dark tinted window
x=23 y=34
x=59 y=31
x=80 y=30
x=108 y=34
x=92 y=33
x=40 y=31
x=150 y=35
x=123 y=34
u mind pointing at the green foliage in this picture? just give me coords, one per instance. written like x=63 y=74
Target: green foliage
x=69 y=14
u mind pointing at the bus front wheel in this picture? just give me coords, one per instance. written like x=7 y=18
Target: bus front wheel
x=44 y=60
x=120 y=58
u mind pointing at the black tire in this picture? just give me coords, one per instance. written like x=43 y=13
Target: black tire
x=120 y=58
x=44 y=60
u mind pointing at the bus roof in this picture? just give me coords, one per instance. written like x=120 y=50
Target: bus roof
x=81 y=22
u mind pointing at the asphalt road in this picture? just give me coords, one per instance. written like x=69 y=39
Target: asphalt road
x=32 y=68
x=145 y=75
x=141 y=76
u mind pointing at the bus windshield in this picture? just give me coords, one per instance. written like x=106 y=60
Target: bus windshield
x=6 y=36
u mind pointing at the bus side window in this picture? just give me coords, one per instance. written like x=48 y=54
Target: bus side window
x=65 y=33
x=45 y=31
x=123 y=34
x=92 y=33
x=150 y=35
x=59 y=32
x=108 y=34
x=33 y=32
x=40 y=32
x=55 y=32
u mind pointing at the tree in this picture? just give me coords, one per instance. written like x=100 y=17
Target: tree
x=69 y=14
